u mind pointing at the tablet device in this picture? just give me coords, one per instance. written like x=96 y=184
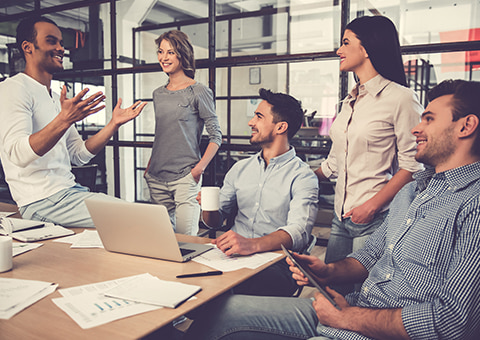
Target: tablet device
x=308 y=274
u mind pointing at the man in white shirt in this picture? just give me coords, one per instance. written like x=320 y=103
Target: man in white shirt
x=38 y=139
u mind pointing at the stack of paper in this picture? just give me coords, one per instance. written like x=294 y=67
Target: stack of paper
x=16 y=294
x=31 y=231
x=153 y=291
x=92 y=305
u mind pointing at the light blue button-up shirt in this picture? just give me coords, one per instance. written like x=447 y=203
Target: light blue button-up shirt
x=280 y=196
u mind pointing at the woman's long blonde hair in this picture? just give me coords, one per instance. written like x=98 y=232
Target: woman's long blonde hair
x=183 y=49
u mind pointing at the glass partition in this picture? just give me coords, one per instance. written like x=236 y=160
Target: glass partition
x=427 y=21
x=314 y=26
x=11 y=7
x=287 y=46
x=315 y=85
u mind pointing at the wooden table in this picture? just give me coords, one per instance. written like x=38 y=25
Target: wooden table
x=57 y=262
x=6 y=207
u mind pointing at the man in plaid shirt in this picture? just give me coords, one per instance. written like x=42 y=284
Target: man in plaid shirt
x=420 y=270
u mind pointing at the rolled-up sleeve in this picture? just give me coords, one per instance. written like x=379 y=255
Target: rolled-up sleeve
x=329 y=167
x=302 y=209
x=77 y=150
x=406 y=116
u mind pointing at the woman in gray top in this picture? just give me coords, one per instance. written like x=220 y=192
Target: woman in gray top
x=182 y=108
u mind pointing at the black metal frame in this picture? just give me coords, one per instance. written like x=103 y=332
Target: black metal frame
x=211 y=63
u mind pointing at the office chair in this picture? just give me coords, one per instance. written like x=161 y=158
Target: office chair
x=212 y=232
x=5 y=195
x=86 y=175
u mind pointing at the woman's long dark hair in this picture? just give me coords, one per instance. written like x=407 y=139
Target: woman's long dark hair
x=379 y=37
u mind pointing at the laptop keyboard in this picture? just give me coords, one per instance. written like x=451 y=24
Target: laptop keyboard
x=186 y=251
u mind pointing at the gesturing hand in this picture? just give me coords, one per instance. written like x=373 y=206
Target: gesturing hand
x=121 y=116
x=76 y=108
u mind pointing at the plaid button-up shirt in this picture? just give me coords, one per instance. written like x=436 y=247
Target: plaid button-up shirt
x=425 y=258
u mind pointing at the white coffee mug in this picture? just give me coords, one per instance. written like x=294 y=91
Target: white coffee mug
x=210 y=198
x=5 y=253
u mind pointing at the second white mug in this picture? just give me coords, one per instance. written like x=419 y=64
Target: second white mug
x=5 y=253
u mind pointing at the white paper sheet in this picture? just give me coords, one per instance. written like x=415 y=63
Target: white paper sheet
x=87 y=239
x=151 y=290
x=6 y=213
x=20 y=248
x=88 y=306
x=17 y=294
x=216 y=259
x=68 y=239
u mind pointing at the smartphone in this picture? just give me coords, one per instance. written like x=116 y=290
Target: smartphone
x=309 y=275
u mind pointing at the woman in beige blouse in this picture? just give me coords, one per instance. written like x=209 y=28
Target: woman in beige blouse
x=372 y=154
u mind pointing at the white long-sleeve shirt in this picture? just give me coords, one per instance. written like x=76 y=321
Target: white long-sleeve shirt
x=27 y=107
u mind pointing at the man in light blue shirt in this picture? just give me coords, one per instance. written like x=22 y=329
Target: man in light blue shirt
x=273 y=193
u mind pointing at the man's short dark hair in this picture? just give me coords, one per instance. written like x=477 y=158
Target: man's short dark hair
x=465 y=101
x=285 y=108
x=26 y=30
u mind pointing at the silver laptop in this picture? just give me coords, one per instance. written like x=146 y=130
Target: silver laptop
x=140 y=229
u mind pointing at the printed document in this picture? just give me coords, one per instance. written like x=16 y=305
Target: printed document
x=150 y=289
x=217 y=259
x=87 y=239
x=89 y=307
x=17 y=294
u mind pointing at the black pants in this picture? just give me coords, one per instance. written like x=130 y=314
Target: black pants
x=275 y=280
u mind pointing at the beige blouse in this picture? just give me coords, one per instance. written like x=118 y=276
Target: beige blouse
x=371 y=141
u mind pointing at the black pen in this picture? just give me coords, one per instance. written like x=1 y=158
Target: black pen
x=216 y=272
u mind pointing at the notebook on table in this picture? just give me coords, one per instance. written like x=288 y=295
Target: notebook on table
x=140 y=229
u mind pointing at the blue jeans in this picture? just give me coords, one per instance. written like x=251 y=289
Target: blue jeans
x=256 y=317
x=66 y=207
x=347 y=237
x=180 y=199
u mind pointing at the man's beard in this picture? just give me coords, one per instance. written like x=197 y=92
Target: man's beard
x=259 y=142
x=439 y=150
